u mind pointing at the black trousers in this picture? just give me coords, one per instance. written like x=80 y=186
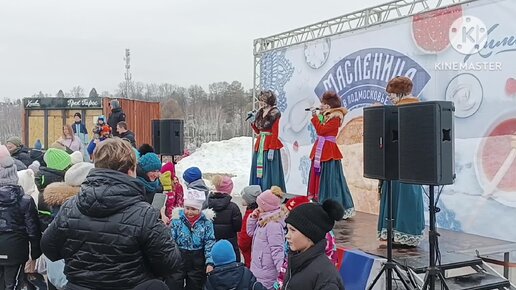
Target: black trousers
x=192 y=273
x=11 y=277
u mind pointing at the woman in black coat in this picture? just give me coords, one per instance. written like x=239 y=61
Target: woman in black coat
x=308 y=266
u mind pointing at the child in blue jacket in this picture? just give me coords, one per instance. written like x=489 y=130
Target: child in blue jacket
x=192 y=230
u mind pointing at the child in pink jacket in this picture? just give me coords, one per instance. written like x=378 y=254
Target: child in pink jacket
x=266 y=225
x=172 y=188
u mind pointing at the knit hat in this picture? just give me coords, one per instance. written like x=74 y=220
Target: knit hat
x=26 y=181
x=223 y=184
x=76 y=157
x=16 y=141
x=101 y=117
x=314 y=220
x=57 y=159
x=194 y=198
x=149 y=162
x=250 y=193
x=223 y=253
x=270 y=200
x=296 y=201
x=192 y=174
x=76 y=175
x=169 y=167
x=8 y=173
x=77 y=115
x=34 y=166
x=166 y=181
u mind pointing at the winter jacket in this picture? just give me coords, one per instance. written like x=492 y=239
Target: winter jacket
x=129 y=136
x=22 y=154
x=73 y=145
x=93 y=145
x=244 y=240
x=151 y=187
x=312 y=270
x=233 y=276
x=175 y=195
x=79 y=129
x=228 y=219
x=19 y=165
x=19 y=225
x=268 y=240
x=55 y=195
x=270 y=125
x=117 y=115
x=328 y=127
x=197 y=237
x=330 y=250
x=109 y=236
x=47 y=176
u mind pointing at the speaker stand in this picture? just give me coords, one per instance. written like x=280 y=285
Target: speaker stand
x=433 y=273
x=390 y=266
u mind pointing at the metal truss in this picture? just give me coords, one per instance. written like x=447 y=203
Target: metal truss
x=375 y=15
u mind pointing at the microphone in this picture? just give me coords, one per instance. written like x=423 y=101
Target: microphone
x=310 y=109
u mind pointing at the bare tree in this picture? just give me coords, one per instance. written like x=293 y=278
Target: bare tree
x=77 y=92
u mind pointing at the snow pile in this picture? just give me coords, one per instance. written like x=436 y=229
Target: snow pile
x=231 y=157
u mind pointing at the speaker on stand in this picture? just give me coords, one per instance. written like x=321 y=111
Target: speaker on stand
x=381 y=162
x=426 y=146
x=168 y=137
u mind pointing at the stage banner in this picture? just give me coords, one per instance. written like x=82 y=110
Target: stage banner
x=463 y=54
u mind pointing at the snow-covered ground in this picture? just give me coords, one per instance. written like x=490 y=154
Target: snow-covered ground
x=232 y=157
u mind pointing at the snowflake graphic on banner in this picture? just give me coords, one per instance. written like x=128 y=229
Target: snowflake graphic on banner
x=275 y=72
x=313 y=134
x=445 y=217
x=304 y=167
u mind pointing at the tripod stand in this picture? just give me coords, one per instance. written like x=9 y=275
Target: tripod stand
x=390 y=266
x=433 y=272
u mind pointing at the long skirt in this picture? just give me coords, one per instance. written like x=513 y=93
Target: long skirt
x=331 y=184
x=407 y=212
x=272 y=172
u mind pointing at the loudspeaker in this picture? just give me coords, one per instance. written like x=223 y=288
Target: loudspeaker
x=171 y=137
x=381 y=142
x=426 y=143
x=156 y=136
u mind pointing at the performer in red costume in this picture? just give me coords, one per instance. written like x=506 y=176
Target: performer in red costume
x=266 y=168
x=327 y=179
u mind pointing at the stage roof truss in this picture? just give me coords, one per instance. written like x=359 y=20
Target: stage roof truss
x=361 y=19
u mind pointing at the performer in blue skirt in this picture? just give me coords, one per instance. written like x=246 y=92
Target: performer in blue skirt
x=266 y=168
x=407 y=199
x=327 y=179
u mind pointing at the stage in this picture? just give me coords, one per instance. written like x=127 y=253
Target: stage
x=359 y=233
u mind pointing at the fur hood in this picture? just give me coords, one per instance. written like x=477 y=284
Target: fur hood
x=266 y=122
x=408 y=100
x=274 y=216
x=55 y=194
x=208 y=213
x=335 y=113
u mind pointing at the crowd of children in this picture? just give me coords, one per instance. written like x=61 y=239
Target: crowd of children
x=207 y=228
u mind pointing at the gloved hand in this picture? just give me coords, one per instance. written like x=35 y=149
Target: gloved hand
x=35 y=250
x=270 y=155
x=251 y=116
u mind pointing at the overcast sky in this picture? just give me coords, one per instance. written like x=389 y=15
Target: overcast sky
x=49 y=45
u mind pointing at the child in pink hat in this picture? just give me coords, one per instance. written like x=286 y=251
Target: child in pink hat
x=266 y=226
x=228 y=218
